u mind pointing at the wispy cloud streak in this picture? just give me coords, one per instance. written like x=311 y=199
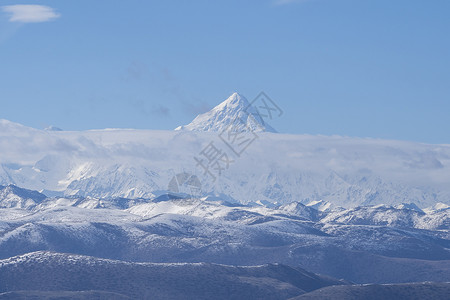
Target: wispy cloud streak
x=25 y=13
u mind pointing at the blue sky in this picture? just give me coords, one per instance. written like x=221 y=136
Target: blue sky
x=357 y=68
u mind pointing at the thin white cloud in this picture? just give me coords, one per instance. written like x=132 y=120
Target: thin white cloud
x=26 y=13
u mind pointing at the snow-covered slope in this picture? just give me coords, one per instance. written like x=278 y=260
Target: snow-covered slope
x=235 y=110
x=63 y=272
x=199 y=230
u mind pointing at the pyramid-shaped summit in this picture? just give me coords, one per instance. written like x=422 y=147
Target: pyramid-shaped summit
x=235 y=108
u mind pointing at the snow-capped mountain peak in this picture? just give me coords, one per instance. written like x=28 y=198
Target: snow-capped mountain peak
x=235 y=111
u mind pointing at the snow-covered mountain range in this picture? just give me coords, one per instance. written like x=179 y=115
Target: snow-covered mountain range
x=377 y=244
x=257 y=166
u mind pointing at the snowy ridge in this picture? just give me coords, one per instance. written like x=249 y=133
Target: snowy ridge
x=405 y=215
x=48 y=275
x=15 y=197
x=63 y=272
